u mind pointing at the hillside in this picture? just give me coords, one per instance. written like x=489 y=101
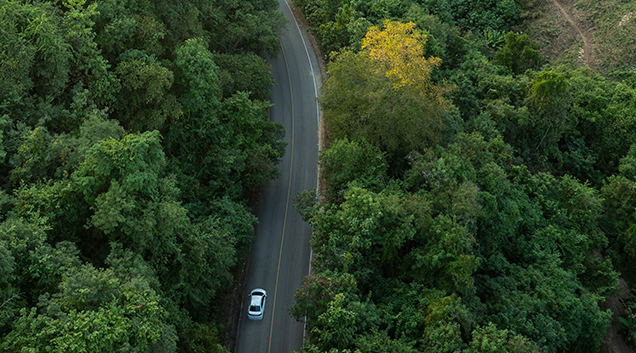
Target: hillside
x=562 y=27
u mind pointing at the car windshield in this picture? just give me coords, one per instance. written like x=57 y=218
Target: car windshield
x=254 y=308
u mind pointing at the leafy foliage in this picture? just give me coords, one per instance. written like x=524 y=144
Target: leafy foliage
x=627 y=323
x=113 y=311
x=134 y=135
x=384 y=94
x=499 y=227
x=347 y=161
x=499 y=260
x=518 y=53
x=482 y=15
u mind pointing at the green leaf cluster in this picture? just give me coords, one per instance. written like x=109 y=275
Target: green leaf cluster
x=467 y=253
x=504 y=233
x=342 y=24
x=134 y=141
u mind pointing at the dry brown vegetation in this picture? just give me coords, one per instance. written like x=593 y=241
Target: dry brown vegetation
x=566 y=28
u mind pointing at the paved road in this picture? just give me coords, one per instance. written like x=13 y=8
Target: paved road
x=280 y=257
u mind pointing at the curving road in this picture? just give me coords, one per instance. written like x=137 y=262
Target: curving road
x=281 y=252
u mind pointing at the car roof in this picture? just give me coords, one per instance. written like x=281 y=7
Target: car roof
x=256 y=300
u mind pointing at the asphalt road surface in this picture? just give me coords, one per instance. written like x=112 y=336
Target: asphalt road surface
x=281 y=252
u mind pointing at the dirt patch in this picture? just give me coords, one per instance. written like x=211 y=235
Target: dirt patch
x=615 y=33
x=322 y=141
x=626 y=18
x=585 y=36
x=563 y=32
x=606 y=32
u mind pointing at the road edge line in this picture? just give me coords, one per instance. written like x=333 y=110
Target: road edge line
x=291 y=169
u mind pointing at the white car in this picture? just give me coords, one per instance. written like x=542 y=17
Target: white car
x=257 y=304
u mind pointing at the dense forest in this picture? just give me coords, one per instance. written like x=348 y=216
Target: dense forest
x=479 y=197
x=134 y=140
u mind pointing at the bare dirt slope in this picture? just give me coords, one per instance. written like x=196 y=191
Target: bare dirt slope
x=600 y=34
x=564 y=33
x=587 y=38
x=614 y=341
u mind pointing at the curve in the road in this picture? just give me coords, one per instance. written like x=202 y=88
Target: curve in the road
x=281 y=252
x=291 y=168
x=311 y=66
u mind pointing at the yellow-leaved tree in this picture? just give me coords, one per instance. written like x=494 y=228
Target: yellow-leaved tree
x=398 y=52
x=384 y=93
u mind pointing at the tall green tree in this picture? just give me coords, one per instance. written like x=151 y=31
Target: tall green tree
x=94 y=311
x=347 y=161
x=518 y=53
x=88 y=66
x=145 y=103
